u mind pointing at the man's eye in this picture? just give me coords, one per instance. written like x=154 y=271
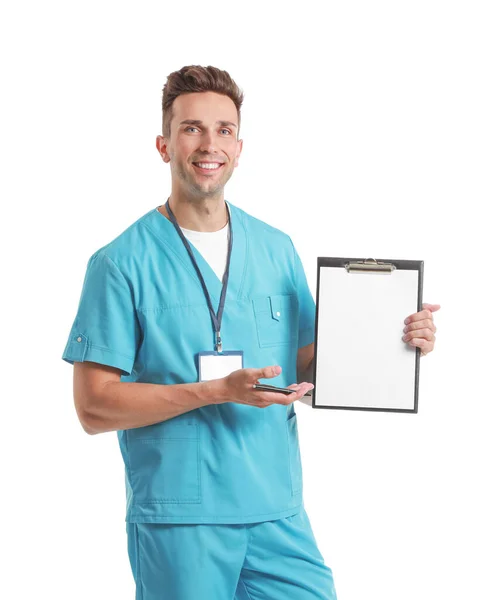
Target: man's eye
x=192 y=127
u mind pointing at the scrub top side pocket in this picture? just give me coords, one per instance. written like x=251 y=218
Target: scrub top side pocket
x=165 y=467
x=276 y=319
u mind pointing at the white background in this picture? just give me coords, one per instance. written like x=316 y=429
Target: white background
x=361 y=138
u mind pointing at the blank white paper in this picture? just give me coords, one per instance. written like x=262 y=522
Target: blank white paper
x=362 y=360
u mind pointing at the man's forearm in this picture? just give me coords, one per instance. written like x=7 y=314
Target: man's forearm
x=125 y=405
x=308 y=374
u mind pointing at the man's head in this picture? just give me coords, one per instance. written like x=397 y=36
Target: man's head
x=201 y=122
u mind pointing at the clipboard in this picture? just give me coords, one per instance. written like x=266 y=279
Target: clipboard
x=361 y=361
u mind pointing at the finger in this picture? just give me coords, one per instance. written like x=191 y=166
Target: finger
x=431 y=307
x=426 y=313
x=300 y=390
x=278 y=398
x=418 y=316
x=297 y=386
x=424 y=345
x=265 y=373
x=419 y=334
x=264 y=399
x=428 y=323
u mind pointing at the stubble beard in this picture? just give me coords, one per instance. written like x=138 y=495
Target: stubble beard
x=197 y=188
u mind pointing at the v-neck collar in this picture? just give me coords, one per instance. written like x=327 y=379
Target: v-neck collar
x=237 y=260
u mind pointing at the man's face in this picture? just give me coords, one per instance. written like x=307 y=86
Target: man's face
x=211 y=140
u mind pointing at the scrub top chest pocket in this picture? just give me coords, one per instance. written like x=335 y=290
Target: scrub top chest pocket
x=276 y=319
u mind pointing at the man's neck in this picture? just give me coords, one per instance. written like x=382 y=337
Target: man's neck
x=200 y=215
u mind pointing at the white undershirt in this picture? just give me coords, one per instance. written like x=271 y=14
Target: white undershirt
x=212 y=245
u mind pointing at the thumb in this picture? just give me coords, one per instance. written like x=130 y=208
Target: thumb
x=431 y=307
x=269 y=372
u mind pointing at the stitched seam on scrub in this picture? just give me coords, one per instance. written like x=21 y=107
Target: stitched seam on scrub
x=170 y=501
x=162 y=437
x=108 y=350
x=199 y=470
x=289 y=457
x=240 y=580
x=246 y=259
x=128 y=466
x=165 y=307
x=211 y=518
x=139 y=573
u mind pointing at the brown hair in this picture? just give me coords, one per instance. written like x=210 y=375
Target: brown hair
x=195 y=78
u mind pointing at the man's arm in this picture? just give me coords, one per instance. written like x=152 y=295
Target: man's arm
x=305 y=357
x=104 y=403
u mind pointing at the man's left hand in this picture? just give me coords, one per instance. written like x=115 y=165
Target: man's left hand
x=419 y=329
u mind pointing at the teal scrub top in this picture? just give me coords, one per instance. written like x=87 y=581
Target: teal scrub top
x=142 y=309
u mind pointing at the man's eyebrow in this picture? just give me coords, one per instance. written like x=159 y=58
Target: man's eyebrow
x=197 y=122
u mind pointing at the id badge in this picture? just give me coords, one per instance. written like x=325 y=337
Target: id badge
x=215 y=365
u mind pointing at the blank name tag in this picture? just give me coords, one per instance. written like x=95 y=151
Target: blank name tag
x=215 y=365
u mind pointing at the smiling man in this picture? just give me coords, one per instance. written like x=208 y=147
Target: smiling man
x=179 y=317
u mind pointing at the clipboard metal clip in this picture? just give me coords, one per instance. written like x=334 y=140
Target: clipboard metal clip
x=370 y=265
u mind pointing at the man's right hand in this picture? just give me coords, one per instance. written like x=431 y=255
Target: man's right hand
x=239 y=388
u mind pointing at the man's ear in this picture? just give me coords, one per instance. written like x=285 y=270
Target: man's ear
x=161 y=144
x=240 y=148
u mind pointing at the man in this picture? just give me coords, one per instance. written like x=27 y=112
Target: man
x=179 y=317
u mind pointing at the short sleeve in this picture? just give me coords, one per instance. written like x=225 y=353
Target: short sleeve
x=105 y=329
x=306 y=305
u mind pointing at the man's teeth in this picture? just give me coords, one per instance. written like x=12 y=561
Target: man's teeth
x=208 y=165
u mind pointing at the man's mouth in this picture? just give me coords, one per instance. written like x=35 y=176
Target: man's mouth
x=207 y=167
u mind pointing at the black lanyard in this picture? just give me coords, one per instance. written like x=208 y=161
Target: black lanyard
x=216 y=318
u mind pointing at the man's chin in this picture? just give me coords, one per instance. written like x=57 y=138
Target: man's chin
x=206 y=189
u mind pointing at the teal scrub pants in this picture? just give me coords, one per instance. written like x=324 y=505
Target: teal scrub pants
x=272 y=560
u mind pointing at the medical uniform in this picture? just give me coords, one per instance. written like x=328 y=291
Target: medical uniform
x=143 y=310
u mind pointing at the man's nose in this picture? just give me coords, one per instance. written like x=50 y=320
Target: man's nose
x=208 y=142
